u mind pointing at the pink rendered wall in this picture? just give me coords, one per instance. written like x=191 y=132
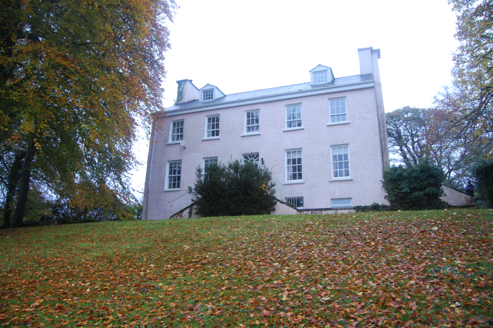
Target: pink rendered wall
x=362 y=134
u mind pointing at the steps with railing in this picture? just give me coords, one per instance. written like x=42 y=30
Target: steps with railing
x=179 y=204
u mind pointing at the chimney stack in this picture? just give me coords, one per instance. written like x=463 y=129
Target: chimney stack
x=368 y=61
x=186 y=91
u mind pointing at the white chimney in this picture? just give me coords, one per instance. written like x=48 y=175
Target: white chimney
x=186 y=92
x=368 y=61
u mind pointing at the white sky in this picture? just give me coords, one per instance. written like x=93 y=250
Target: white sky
x=240 y=45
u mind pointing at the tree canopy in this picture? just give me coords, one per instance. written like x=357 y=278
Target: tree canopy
x=419 y=134
x=406 y=130
x=77 y=79
x=469 y=100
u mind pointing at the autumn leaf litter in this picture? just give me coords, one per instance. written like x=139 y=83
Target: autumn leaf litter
x=430 y=268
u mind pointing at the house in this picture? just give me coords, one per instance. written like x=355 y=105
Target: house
x=324 y=140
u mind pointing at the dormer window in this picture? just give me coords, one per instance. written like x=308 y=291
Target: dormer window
x=319 y=77
x=208 y=94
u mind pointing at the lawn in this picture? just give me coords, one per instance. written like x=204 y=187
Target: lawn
x=389 y=269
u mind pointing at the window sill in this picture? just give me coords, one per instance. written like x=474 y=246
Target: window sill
x=341 y=179
x=171 y=190
x=293 y=129
x=293 y=182
x=250 y=134
x=338 y=123
x=211 y=138
x=174 y=142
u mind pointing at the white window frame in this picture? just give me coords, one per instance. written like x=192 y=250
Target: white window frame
x=335 y=112
x=175 y=137
x=208 y=94
x=295 y=201
x=335 y=165
x=317 y=76
x=289 y=165
x=213 y=130
x=255 y=126
x=343 y=203
x=208 y=161
x=289 y=119
x=173 y=180
x=252 y=157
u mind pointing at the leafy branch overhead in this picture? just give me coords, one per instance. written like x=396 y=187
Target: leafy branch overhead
x=470 y=99
x=76 y=78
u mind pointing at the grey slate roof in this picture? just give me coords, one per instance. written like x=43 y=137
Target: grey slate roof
x=273 y=92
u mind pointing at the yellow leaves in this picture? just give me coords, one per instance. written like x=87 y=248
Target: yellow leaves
x=37 y=303
x=264 y=187
x=71 y=78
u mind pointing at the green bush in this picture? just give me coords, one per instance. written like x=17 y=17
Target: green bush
x=483 y=174
x=135 y=211
x=416 y=187
x=375 y=207
x=233 y=189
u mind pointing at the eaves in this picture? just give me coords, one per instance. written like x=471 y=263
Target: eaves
x=263 y=99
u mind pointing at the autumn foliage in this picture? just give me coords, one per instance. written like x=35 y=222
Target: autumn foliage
x=416 y=135
x=469 y=101
x=77 y=79
x=386 y=269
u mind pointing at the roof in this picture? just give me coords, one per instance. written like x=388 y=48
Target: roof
x=271 y=94
x=320 y=66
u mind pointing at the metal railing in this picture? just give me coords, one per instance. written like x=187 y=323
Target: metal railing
x=180 y=203
x=283 y=192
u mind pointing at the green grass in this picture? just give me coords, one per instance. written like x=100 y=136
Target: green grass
x=429 y=268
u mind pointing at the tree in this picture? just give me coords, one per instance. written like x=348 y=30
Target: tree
x=417 y=134
x=233 y=189
x=415 y=187
x=77 y=79
x=469 y=100
x=483 y=174
x=406 y=130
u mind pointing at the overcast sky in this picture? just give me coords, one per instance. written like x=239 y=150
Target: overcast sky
x=240 y=46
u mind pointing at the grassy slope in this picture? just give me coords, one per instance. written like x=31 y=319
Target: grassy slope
x=422 y=268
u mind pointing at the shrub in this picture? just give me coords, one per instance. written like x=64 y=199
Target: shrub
x=135 y=211
x=375 y=207
x=483 y=174
x=233 y=189
x=416 y=187
x=64 y=213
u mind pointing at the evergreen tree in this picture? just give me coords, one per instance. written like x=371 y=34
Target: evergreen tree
x=415 y=187
x=233 y=189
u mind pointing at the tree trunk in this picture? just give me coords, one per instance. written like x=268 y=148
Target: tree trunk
x=13 y=180
x=20 y=209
